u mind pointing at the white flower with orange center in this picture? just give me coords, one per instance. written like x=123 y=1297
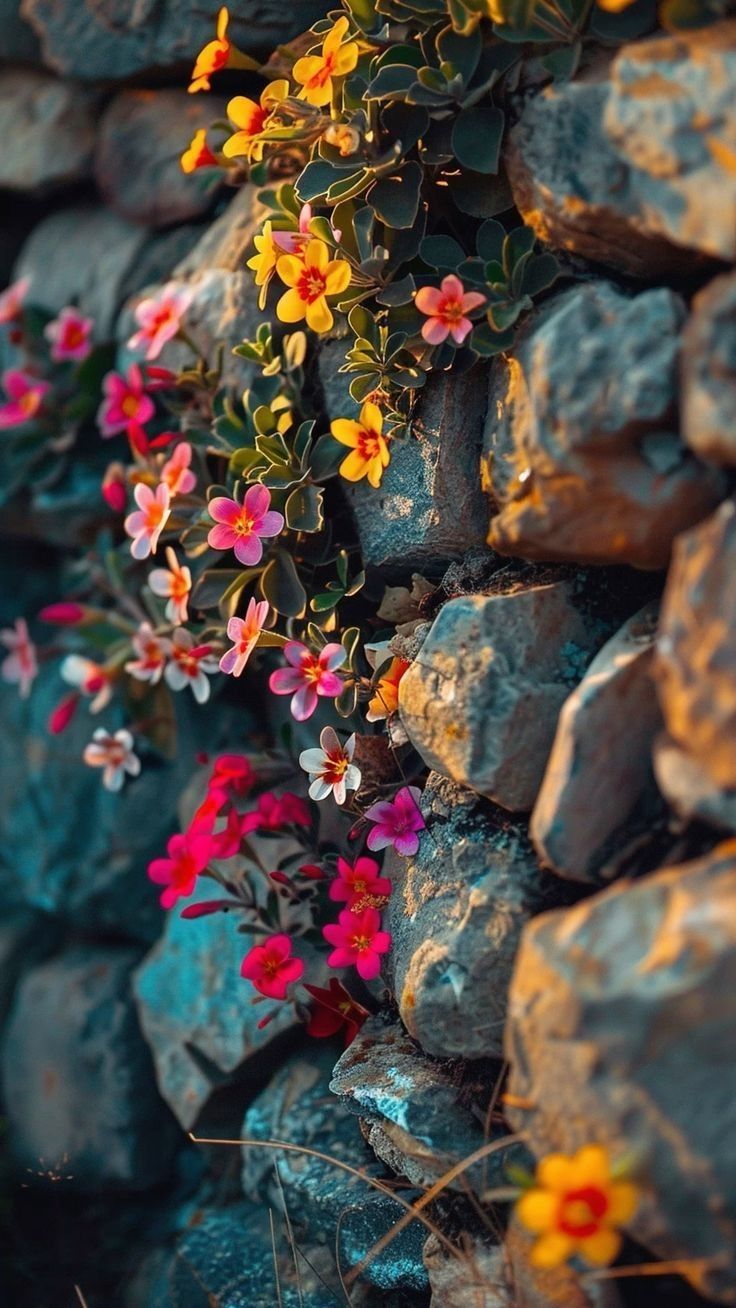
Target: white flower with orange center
x=331 y=768
x=173 y=584
x=189 y=665
x=151 y=651
x=115 y=755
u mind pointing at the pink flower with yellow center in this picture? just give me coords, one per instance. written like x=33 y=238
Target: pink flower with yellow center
x=308 y=676
x=20 y=666
x=12 y=300
x=244 y=633
x=358 y=942
x=365 y=437
x=25 y=396
x=148 y=521
x=159 y=318
x=174 y=584
x=177 y=473
x=125 y=402
x=251 y=118
x=90 y=678
x=356 y=880
x=198 y=154
x=151 y=652
x=188 y=855
x=240 y=527
x=315 y=72
x=216 y=55
x=189 y=665
x=271 y=968
x=575 y=1207
x=311 y=277
x=397 y=822
x=331 y=768
x=447 y=310
x=115 y=755
x=70 y=335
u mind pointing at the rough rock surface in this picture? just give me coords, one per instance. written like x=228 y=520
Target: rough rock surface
x=634 y=168
x=25 y=937
x=583 y=459
x=473 y=1278
x=140 y=141
x=430 y=507
x=455 y=915
x=621 y=1017
x=599 y=795
x=695 y=762
x=480 y=703
x=708 y=373
x=78 y=1084
x=48 y=131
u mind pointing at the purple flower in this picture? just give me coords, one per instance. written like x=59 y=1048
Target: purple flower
x=397 y=822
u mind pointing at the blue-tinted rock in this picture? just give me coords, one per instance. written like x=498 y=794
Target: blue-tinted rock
x=48 y=129
x=25 y=937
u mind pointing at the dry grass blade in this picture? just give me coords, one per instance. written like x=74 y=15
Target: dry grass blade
x=675 y=1267
x=275 y=1259
x=82 y=1301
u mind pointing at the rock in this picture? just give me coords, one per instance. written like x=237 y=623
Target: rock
x=694 y=761
x=320 y=1198
x=621 y=1014
x=48 y=130
x=473 y=1278
x=583 y=460
x=599 y=798
x=455 y=915
x=632 y=166
x=480 y=703
x=141 y=137
x=78 y=1084
x=25 y=937
x=18 y=41
x=563 y=1287
x=110 y=39
x=430 y=506
x=708 y=373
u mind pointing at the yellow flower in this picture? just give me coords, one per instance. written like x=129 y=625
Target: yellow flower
x=370 y=453
x=216 y=55
x=614 y=6
x=385 y=698
x=251 y=118
x=311 y=276
x=575 y=1207
x=198 y=154
x=264 y=261
x=315 y=72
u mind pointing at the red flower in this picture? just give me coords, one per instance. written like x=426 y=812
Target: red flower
x=359 y=942
x=234 y=773
x=333 y=1009
x=276 y=811
x=188 y=855
x=271 y=967
x=355 y=881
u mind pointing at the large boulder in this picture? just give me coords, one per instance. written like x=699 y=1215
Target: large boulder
x=708 y=373
x=621 y=1018
x=78 y=1084
x=48 y=131
x=584 y=463
x=632 y=166
x=456 y=915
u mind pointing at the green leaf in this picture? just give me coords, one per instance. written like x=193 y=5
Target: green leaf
x=364 y=324
x=476 y=138
x=489 y=241
x=347 y=701
x=395 y=200
x=482 y=195
x=303 y=508
x=461 y=51
x=327 y=456
x=400 y=292
x=281 y=586
x=539 y=274
x=211 y=586
x=315 y=180
x=391 y=82
x=324 y=602
x=442 y=252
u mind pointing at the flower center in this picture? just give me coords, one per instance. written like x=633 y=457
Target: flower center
x=74 y=336
x=154 y=515
x=179 y=588
x=368 y=443
x=28 y=403
x=257 y=119
x=323 y=74
x=311 y=284
x=360 y=943
x=271 y=966
x=129 y=406
x=581 y=1211
x=451 y=311
x=243 y=526
x=161 y=319
x=335 y=769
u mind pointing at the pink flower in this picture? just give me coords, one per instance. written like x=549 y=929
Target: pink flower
x=65 y=613
x=276 y=811
x=125 y=402
x=115 y=755
x=397 y=822
x=159 y=318
x=114 y=488
x=294 y=242
x=447 y=310
x=240 y=526
x=176 y=471
x=356 y=880
x=173 y=584
x=244 y=632
x=359 y=942
x=226 y=842
x=188 y=855
x=61 y=716
x=190 y=665
x=333 y=1009
x=151 y=651
x=70 y=335
x=20 y=666
x=11 y=300
x=146 y=524
x=308 y=676
x=331 y=768
x=233 y=773
x=88 y=677
x=25 y=394
x=271 y=967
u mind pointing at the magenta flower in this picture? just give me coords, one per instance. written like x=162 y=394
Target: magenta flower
x=240 y=526
x=12 y=299
x=359 y=942
x=176 y=471
x=271 y=967
x=125 y=402
x=447 y=309
x=244 y=632
x=188 y=855
x=276 y=811
x=25 y=395
x=159 y=318
x=397 y=822
x=20 y=667
x=70 y=335
x=146 y=525
x=356 y=880
x=308 y=676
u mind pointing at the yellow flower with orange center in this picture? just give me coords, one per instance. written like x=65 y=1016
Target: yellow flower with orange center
x=216 y=55
x=311 y=277
x=385 y=699
x=315 y=72
x=251 y=117
x=264 y=261
x=198 y=154
x=369 y=449
x=575 y=1207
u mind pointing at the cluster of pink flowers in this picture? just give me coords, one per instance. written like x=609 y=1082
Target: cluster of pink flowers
x=70 y=341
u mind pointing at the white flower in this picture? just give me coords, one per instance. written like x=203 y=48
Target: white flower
x=331 y=767
x=151 y=651
x=91 y=678
x=190 y=665
x=174 y=584
x=115 y=755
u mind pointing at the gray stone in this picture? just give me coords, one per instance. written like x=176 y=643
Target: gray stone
x=632 y=165
x=430 y=507
x=480 y=703
x=695 y=762
x=141 y=137
x=114 y=39
x=18 y=41
x=25 y=937
x=474 y=1277
x=455 y=915
x=708 y=373
x=621 y=1018
x=48 y=131
x=599 y=798
x=78 y=1084
x=583 y=460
